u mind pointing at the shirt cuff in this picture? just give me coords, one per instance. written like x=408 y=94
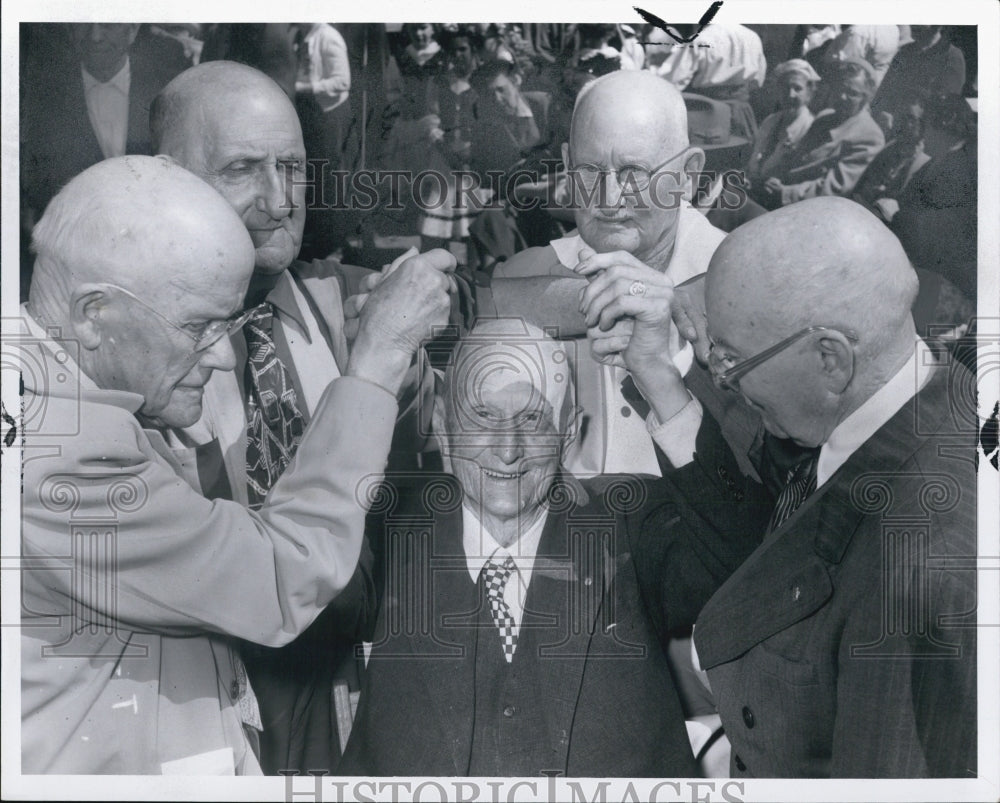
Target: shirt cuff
x=684 y=358
x=677 y=435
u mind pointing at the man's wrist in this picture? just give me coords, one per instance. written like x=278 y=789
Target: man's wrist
x=385 y=367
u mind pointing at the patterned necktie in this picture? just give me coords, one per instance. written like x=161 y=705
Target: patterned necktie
x=274 y=423
x=800 y=483
x=495 y=576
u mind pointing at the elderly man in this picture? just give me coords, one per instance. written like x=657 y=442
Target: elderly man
x=133 y=583
x=234 y=127
x=845 y=645
x=512 y=638
x=628 y=156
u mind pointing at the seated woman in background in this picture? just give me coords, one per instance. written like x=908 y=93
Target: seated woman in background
x=780 y=132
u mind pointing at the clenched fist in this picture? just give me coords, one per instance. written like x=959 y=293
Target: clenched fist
x=399 y=315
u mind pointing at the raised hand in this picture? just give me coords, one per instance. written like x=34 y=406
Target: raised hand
x=400 y=314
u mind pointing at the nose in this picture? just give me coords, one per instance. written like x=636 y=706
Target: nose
x=510 y=447
x=612 y=189
x=219 y=356
x=274 y=196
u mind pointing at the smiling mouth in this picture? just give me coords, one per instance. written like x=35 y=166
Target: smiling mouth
x=502 y=475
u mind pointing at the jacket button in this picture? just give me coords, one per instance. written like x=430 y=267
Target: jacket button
x=748 y=719
x=738 y=496
x=721 y=471
x=739 y=764
x=508 y=711
x=626 y=412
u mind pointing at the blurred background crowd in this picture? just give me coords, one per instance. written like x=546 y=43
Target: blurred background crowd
x=882 y=114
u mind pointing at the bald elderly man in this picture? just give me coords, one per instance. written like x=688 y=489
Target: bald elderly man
x=234 y=127
x=133 y=583
x=512 y=637
x=628 y=159
x=845 y=645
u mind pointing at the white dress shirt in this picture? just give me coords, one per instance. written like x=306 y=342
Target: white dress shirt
x=722 y=55
x=480 y=546
x=628 y=438
x=107 y=108
x=851 y=433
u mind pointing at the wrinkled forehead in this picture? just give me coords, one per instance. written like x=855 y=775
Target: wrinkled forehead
x=527 y=373
x=236 y=118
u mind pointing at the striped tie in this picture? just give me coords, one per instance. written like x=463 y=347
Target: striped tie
x=495 y=576
x=801 y=482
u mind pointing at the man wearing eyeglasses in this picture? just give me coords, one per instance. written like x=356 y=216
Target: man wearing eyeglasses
x=628 y=161
x=133 y=584
x=845 y=645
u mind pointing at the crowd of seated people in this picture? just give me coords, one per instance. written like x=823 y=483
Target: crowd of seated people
x=530 y=341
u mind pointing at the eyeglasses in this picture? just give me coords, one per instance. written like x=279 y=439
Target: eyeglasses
x=633 y=177
x=212 y=332
x=731 y=372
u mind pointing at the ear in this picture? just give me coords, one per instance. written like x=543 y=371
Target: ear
x=693 y=164
x=88 y=314
x=837 y=355
x=516 y=78
x=439 y=429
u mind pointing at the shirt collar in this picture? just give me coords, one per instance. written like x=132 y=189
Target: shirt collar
x=282 y=298
x=851 y=433
x=480 y=545
x=694 y=243
x=121 y=80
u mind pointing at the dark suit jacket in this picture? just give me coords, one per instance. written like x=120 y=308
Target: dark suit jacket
x=937 y=221
x=845 y=645
x=57 y=139
x=608 y=707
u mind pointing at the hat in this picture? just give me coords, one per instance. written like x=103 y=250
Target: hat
x=797 y=66
x=710 y=128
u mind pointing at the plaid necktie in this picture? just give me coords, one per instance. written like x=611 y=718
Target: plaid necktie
x=274 y=423
x=800 y=482
x=495 y=576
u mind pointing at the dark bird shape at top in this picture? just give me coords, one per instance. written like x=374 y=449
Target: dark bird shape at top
x=670 y=31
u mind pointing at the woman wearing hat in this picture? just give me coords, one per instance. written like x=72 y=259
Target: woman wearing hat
x=780 y=132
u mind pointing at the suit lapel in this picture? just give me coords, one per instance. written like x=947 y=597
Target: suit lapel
x=788 y=577
x=561 y=611
x=454 y=604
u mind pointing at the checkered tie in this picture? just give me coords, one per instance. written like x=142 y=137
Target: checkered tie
x=495 y=576
x=274 y=423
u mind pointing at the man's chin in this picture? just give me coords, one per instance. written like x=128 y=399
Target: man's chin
x=179 y=413
x=274 y=250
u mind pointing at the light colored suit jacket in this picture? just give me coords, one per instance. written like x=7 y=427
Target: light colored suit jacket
x=831 y=157
x=132 y=581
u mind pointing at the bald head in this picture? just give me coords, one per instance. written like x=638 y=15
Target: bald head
x=820 y=260
x=235 y=128
x=141 y=263
x=631 y=103
x=626 y=120
x=823 y=262
x=505 y=353
x=142 y=222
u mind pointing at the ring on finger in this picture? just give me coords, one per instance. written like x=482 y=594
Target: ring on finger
x=637 y=288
